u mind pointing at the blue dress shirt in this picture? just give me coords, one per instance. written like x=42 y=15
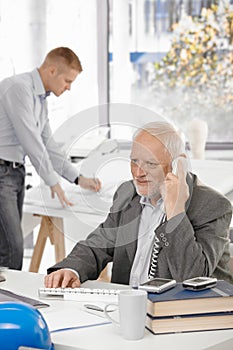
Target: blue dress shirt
x=25 y=128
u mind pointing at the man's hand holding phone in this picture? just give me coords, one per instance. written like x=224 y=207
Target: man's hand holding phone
x=174 y=190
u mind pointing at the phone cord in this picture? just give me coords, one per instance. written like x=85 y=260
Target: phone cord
x=154 y=259
x=155 y=254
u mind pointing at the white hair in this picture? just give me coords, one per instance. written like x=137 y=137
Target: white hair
x=167 y=134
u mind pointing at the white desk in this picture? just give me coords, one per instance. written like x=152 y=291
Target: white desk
x=106 y=337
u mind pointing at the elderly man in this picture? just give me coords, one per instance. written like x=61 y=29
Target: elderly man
x=165 y=223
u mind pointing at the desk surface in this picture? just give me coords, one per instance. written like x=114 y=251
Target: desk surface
x=105 y=337
x=38 y=200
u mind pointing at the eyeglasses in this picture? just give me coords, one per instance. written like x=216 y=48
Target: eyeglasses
x=145 y=165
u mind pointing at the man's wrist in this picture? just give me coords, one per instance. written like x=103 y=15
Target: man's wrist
x=72 y=270
x=76 y=181
x=176 y=212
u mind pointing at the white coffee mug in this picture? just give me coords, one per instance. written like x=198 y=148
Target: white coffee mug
x=132 y=306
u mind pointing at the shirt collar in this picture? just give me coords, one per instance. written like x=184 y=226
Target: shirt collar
x=38 y=85
x=146 y=201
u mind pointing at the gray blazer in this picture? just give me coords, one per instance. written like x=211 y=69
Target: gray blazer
x=195 y=243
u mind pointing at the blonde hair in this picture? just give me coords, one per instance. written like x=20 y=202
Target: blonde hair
x=65 y=55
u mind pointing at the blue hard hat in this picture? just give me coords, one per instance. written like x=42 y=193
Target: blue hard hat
x=23 y=325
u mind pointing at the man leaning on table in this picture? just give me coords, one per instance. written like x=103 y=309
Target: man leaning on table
x=185 y=221
x=25 y=130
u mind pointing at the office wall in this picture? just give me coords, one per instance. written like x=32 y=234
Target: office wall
x=30 y=28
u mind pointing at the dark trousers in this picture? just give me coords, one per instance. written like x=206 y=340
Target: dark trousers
x=11 y=205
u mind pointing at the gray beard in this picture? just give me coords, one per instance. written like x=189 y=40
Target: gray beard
x=156 y=196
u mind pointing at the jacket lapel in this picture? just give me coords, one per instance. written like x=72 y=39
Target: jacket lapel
x=131 y=219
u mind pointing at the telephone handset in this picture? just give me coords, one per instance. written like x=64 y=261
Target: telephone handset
x=175 y=161
x=175 y=164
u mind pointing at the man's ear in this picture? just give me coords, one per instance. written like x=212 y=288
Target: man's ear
x=52 y=70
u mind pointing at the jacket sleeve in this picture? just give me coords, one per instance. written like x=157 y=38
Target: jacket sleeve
x=196 y=243
x=89 y=257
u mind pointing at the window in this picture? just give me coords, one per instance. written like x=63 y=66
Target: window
x=141 y=34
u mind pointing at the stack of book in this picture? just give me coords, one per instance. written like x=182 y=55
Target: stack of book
x=181 y=310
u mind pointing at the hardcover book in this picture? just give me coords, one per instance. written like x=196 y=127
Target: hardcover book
x=190 y=323
x=179 y=301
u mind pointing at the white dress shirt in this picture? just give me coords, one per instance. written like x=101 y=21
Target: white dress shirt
x=151 y=218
